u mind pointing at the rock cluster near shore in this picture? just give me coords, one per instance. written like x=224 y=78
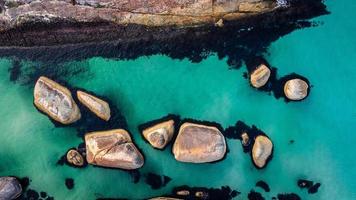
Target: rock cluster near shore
x=56 y=101
x=97 y=106
x=114 y=149
x=159 y=135
x=197 y=143
x=259 y=77
x=10 y=188
x=261 y=150
x=296 y=89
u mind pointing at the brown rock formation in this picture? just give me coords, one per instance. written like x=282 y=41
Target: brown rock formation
x=261 y=150
x=260 y=76
x=113 y=148
x=296 y=89
x=75 y=158
x=56 y=101
x=97 y=106
x=160 y=134
x=197 y=143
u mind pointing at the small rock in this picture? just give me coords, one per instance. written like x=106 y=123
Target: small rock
x=220 y=23
x=160 y=134
x=197 y=143
x=259 y=77
x=75 y=158
x=290 y=196
x=97 y=106
x=69 y=183
x=245 y=139
x=314 y=189
x=113 y=148
x=56 y=101
x=263 y=185
x=10 y=188
x=305 y=183
x=261 y=150
x=201 y=195
x=296 y=89
x=183 y=193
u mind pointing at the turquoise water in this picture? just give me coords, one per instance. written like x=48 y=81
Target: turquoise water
x=148 y=88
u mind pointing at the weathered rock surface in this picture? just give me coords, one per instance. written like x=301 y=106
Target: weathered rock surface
x=296 y=89
x=56 y=101
x=75 y=158
x=97 y=106
x=245 y=139
x=10 y=188
x=113 y=148
x=197 y=143
x=259 y=77
x=261 y=150
x=160 y=134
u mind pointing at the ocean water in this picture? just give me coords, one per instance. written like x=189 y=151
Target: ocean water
x=147 y=88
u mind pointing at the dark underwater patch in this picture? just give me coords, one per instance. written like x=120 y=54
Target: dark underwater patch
x=157 y=181
x=263 y=185
x=31 y=194
x=289 y=196
x=69 y=182
x=253 y=195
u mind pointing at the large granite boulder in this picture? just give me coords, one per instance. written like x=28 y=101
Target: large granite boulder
x=113 y=148
x=75 y=158
x=56 y=101
x=160 y=134
x=261 y=151
x=97 y=106
x=296 y=89
x=259 y=77
x=198 y=143
x=10 y=188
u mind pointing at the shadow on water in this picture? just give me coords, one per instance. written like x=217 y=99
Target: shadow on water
x=237 y=41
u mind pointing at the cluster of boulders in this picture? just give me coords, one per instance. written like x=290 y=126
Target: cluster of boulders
x=294 y=89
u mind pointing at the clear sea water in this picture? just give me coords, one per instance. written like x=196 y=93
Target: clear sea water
x=323 y=126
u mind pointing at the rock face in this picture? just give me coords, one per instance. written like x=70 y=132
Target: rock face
x=97 y=106
x=197 y=143
x=10 y=188
x=296 y=89
x=75 y=158
x=113 y=149
x=160 y=134
x=56 y=101
x=261 y=150
x=259 y=77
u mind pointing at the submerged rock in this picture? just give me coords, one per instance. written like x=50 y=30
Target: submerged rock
x=245 y=139
x=10 y=188
x=259 y=77
x=197 y=143
x=56 y=101
x=160 y=134
x=261 y=151
x=296 y=89
x=75 y=158
x=97 y=106
x=113 y=148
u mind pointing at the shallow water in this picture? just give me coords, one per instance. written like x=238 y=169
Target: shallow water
x=148 y=88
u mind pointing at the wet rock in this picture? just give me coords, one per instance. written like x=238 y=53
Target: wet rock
x=113 y=148
x=201 y=195
x=183 y=193
x=259 y=77
x=314 y=189
x=10 y=188
x=56 y=101
x=219 y=23
x=245 y=139
x=263 y=185
x=296 y=89
x=302 y=183
x=98 y=106
x=160 y=134
x=75 y=158
x=69 y=183
x=261 y=151
x=198 y=143
x=290 y=196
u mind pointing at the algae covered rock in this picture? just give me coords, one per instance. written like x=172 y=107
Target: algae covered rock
x=259 y=77
x=113 y=148
x=159 y=135
x=261 y=151
x=198 y=143
x=10 y=188
x=296 y=89
x=97 y=106
x=56 y=101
